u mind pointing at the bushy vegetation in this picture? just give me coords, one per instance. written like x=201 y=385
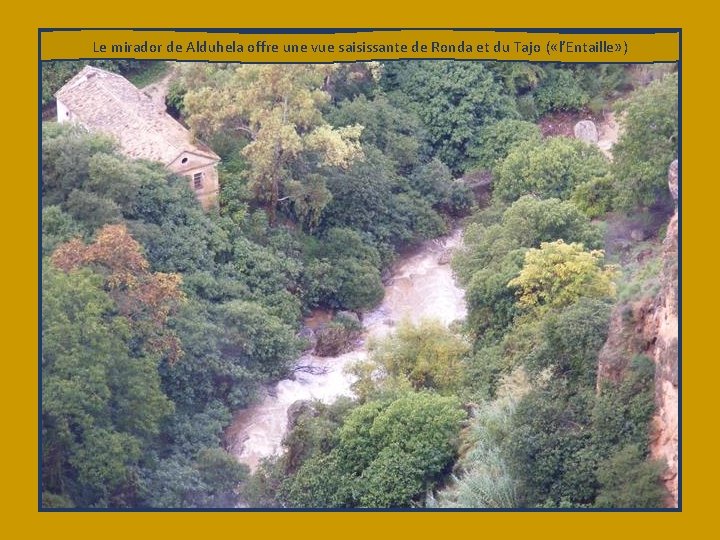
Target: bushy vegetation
x=648 y=144
x=384 y=453
x=552 y=168
x=159 y=319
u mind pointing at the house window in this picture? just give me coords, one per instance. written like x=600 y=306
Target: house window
x=198 y=180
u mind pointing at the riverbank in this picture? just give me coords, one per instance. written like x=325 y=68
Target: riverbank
x=421 y=286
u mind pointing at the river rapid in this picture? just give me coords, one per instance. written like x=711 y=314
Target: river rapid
x=421 y=286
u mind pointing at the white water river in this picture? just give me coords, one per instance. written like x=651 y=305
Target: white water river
x=421 y=287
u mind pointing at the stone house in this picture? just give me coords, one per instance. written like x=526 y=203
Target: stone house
x=108 y=103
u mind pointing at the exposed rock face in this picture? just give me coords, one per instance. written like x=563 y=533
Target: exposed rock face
x=586 y=131
x=650 y=326
x=663 y=325
x=673 y=179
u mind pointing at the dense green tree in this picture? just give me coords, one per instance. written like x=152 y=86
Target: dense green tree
x=596 y=196
x=629 y=480
x=57 y=227
x=210 y=480
x=493 y=255
x=453 y=99
x=256 y=339
x=66 y=153
x=623 y=410
x=386 y=455
x=396 y=132
x=277 y=109
x=426 y=355
x=647 y=145
x=435 y=183
x=496 y=140
x=559 y=91
x=559 y=274
x=553 y=168
x=546 y=449
x=369 y=197
x=417 y=435
x=570 y=341
x=343 y=271
x=102 y=402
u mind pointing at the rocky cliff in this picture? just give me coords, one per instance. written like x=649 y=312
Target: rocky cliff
x=662 y=330
x=649 y=326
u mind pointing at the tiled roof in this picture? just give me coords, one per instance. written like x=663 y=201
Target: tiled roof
x=109 y=103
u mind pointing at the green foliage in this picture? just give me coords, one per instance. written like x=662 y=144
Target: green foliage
x=343 y=273
x=349 y=81
x=559 y=91
x=530 y=221
x=426 y=355
x=278 y=110
x=210 y=480
x=629 y=480
x=570 y=341
x=453 y=99
x=518 y=77
x=647 y=145
x=559 y=274
x=623 y=410
x=482 y=478
x=553 y=168
x=175 y=99
x=256 y=339
x=66 y=153
x=237 y=329
x=395 y=132
x=595 y=197
x=496 y=140
x=57 y=227
x=386 y=455
x=369 y=198
x=101 y=402
x=348 y=172
x=547 y=446
x=493 y=255
x=314 y=430
x=435 y=183
x=603 y=81
x=570 y=447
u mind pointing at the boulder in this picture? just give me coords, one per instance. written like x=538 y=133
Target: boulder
x=673 y=179
x=586 y=131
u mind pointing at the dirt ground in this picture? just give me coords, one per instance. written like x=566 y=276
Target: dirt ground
x=562 y=124
x=159 y=89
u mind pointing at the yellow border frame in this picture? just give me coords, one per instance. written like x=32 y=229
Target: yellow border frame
x=19 y=398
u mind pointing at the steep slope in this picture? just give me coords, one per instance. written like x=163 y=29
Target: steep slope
x=662 y=329
x=649 y=326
